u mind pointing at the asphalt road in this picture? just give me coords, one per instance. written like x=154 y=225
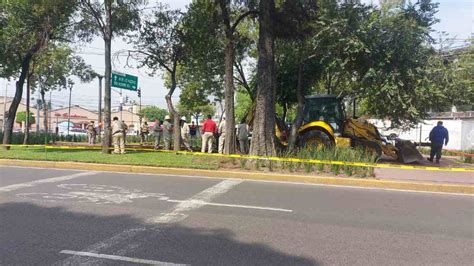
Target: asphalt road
x=62 y=217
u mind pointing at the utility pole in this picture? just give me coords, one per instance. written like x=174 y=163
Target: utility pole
x=121 y=104
x=38 y=106
x=69 y=112
x=139 y=92
x=5 y=106
x=100 y=103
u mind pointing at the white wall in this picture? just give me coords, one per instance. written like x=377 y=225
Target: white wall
x=461 y=132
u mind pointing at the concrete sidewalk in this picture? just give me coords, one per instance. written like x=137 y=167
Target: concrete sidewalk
x=430 y=176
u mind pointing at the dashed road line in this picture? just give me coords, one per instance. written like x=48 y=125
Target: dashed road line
x=237 y=206
x=118 y=258
x=44 y=181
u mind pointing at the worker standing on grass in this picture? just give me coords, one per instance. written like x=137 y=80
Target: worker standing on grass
x=208 y=129
x=221 y=132
x=167 y=132
x=192 y=133
x=144 y=132
x=118 y=135
x=438 y=136
x=185 y=133
x=158 y=132
x=243 y=137
x=91 y=132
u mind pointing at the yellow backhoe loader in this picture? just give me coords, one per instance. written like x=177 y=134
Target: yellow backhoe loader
x=325 y=123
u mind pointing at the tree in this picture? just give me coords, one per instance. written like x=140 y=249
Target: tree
x=28 y=27
x=108 y=19
x=152 y=113
x=53 y=68
x=263 y=138
x=230 y=29
x=22 y=118
x=160 y=45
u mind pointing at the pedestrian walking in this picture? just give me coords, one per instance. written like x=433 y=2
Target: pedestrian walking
x=221 y=131
x=91 y=132
x=438 y=136
x=243 y=137
x=185 y=133
x=144 y=131
x=167 y=132
x=118 y=135
x=192 y=133
x=208 y=129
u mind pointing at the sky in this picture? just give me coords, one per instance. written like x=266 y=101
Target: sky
x=456 y=19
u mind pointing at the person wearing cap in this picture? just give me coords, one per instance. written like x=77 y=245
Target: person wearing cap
x=167 y=132
x=185 y=133
x=91 y=132
x=118 y=135
x=144 y=131
x=221 y=131
x=208 y=129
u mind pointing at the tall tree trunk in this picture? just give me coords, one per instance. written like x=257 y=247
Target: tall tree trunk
x=10 y=117
x=229 y=144
x=176 y=123
x=263 y=138
x=173 y=112
x=45 y=112
x=107 y=140
x=299 y=113
x=27 y=124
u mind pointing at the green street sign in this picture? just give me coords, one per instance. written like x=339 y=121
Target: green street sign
x=124 y=81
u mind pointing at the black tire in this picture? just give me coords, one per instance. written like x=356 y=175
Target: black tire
x=315 y=138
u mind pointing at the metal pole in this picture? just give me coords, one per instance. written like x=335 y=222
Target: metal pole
x=50 y=108
x=100 y=103
x=69 y=112
x=38 y=102
x=140 y=108
x=5 y=106
x=121 y=104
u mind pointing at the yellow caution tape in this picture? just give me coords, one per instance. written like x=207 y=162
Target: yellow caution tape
x=279 y=159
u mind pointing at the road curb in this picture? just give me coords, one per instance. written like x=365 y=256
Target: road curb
x=338 y=181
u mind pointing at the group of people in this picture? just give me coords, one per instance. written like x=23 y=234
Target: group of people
x=210 y=131
x=164 y=131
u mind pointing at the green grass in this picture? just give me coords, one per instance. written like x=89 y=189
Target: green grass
x=131 y=158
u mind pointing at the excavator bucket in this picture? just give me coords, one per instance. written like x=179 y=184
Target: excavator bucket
x=407 y=152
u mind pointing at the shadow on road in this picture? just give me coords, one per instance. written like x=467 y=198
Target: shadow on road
x=34 y=235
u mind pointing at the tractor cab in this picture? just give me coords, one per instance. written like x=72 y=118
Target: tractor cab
x=327 y=108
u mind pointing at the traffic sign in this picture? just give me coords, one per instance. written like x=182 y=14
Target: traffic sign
x=124 y=81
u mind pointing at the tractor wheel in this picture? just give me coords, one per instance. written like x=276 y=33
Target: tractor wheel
x=314 y=139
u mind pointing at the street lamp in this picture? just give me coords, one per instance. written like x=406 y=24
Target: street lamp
x=70 y=83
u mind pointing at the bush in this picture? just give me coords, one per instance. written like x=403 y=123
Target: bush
x=35 y=138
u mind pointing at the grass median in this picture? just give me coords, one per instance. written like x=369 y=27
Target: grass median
x=94 y=156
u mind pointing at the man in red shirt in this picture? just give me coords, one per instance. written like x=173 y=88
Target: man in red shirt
x=209 y=128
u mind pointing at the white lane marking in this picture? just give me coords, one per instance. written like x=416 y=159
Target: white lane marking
x=238 y=206
x=195 y=202
x=44 y=181
x=177 y=214
x=119 y=258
